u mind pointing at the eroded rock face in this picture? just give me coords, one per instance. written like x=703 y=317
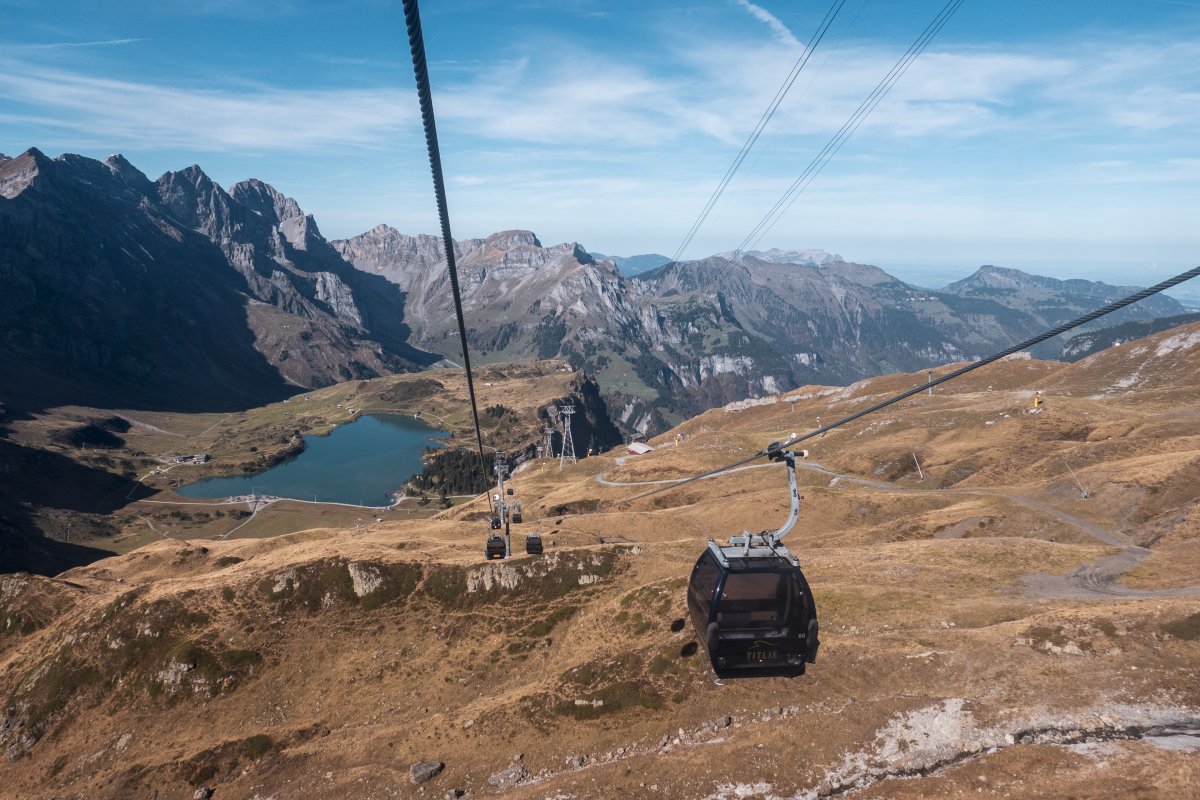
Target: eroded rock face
x=283 y=581
x=488 y=576
x=508 y=777
x=11 y=586
x=333 y=292
x=16 y=733
x=174 y=674
x=365 y=577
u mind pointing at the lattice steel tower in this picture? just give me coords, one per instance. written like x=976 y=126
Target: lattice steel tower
x=501 y=470
x=548 y=445
x=568 y=444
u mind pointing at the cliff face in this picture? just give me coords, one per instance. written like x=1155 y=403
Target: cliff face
x=177 y=293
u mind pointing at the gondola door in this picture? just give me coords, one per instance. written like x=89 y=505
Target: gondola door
x=759 y=613
x=702 y=589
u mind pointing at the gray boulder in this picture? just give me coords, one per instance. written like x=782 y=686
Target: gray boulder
x=423 y=771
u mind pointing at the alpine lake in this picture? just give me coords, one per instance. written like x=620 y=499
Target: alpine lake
x=360 y=463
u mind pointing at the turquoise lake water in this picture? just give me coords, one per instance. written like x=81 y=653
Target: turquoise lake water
x=358 y=463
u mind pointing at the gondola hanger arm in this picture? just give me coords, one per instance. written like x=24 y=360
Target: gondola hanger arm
x=772 y=539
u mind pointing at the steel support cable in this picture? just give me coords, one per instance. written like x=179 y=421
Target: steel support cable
x=849 y=127
x=780 y=95
x=839 y=139
x=958 y=373
x=416 y=41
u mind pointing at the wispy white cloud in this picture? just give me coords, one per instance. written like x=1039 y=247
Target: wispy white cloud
x=773 y=22
x=63 y=45
x=1099 y=173
x=575 y=97
x=239 y=9
x=598 y=144
x=149 y=116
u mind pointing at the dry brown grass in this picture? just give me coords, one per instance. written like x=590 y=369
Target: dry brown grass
x=921 y=588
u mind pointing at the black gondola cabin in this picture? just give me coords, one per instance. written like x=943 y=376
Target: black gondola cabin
x=755 y=614
x=750 y=603
x=496 y=547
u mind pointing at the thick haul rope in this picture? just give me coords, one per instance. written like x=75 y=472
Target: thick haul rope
x=416 y=41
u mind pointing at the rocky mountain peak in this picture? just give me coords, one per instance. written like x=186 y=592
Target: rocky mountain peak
x=193 y=177
x=581 y=255
x=128 y=174
x=507 y=240
x=277 y=208
x=993 y=277
x=196 y=201
x=265 y=199
x=194 y=174
x=383 y=230
x=17 y=174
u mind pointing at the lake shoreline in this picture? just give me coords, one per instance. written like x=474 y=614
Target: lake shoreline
x=373 y=456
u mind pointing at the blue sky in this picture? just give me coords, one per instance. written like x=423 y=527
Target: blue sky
x=1058 y=137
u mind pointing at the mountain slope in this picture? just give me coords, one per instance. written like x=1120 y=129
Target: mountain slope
x=985 y=592
x=113 y=300
x=1051 y=301
x=684 y=337
x=127 y=291
x=1085 y=344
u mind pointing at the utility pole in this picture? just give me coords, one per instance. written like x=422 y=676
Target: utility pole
x=568 y=445
x=929 y=379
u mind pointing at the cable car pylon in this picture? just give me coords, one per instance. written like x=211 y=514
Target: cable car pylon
x=568 y=444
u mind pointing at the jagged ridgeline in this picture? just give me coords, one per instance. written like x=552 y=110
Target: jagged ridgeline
x=246 y=301
x=457 y=471
x=175 y=293
x=685 y=337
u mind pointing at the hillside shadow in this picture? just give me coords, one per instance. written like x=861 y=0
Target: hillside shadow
x=39 y=481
